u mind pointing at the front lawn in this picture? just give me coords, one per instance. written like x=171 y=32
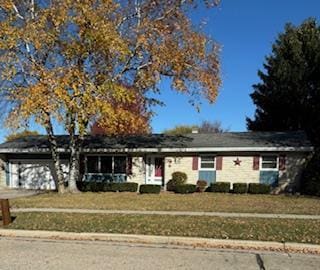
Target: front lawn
x=208 y=202
x=304 y=231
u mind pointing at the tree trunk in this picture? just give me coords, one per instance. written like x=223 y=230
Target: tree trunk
x=74 y=164
x=74 y=171
x=57 y=173
x=59 y=177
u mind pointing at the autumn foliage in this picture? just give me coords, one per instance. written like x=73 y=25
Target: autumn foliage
x=70 y=62
x=134 y=122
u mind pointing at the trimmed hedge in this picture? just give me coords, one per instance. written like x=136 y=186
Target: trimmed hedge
x=128 y=187
x=240 y=188
x=171 y=185
x=88 y=186
x=185 y=189
x=201 y=185
x=258 y=188
x=178 y=178
x=223 y=187
x=107 y=187
x=150 y=189
x=111 y=187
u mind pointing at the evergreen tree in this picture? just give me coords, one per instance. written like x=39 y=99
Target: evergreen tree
x=288 y=96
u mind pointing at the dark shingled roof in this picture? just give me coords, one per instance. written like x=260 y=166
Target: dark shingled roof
x=225 y=140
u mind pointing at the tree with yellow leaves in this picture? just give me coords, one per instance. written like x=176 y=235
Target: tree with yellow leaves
x=71 y=61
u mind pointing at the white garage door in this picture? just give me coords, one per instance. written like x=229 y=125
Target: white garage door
x=32 y=174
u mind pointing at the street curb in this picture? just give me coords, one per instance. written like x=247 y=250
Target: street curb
x=166 y=240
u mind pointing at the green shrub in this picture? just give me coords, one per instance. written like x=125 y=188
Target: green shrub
x=201 y=185
x=258 y=188
x=220 y=187
x=80 y=185
x=170 y=185
x=240 y=188
x=83 y=186
x=178 y=178
x=128 y=187
x=107 y=187
x=110 y=187
x=92 y=187
x=185 y=189
x=310 y=180
x=150 y=189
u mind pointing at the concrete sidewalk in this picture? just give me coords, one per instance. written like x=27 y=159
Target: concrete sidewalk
x=192 y=242
x=18 y=193
x=172 y=213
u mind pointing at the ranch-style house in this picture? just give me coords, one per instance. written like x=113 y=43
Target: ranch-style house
x=275 y=158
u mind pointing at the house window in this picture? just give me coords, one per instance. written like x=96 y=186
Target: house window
x=120 y=165
x=106 y=164
x=269 y=162
x=93 y=164
x=207 y=163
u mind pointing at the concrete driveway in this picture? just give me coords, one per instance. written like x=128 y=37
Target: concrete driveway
x=22 y=253
x=17 y=193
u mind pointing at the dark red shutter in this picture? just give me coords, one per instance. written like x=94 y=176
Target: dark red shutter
x=219 y=163
x=282 y=162
x=129 y=165
x=195 y=161
x=256 y=161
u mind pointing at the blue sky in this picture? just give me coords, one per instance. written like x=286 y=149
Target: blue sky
x=245 y=29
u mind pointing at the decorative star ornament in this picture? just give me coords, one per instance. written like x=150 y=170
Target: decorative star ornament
x=237 y=162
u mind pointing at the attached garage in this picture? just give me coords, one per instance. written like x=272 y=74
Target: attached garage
x=32 y=174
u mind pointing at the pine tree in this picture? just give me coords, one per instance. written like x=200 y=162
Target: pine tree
x=288 y=96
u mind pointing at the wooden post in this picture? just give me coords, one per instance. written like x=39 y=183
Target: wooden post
x=6 y=217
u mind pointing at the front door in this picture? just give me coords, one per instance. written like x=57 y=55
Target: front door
x=155 y=170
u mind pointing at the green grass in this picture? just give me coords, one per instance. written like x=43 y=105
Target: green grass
x=289 y=230
x=208 y=202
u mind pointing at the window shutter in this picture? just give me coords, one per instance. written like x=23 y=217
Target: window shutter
x=129 y=165
x=256 y=161
x=195 y=161
x=282 y=163
x=219 y=163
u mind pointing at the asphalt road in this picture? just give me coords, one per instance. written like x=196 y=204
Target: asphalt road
x=24 y=254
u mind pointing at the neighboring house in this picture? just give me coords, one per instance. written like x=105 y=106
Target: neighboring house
x=275 y=158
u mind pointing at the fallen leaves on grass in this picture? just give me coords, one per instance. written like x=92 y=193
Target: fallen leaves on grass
x=288 y=230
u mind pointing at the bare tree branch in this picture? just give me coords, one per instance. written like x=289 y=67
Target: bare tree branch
x=17 y=11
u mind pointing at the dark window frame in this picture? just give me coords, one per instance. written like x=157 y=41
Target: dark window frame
x=113 y=171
